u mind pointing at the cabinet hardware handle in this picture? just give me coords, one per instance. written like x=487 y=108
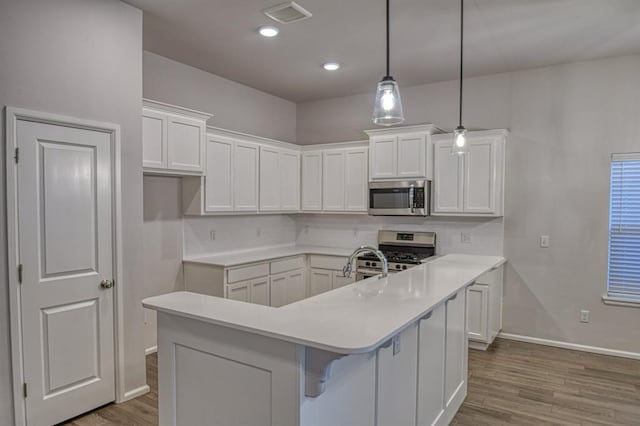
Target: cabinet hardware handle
x=106 y=284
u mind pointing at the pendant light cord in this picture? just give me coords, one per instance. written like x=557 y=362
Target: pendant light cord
x=388 y=73
x=461 y=44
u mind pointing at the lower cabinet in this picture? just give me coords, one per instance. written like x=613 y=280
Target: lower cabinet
x=321 y=280
x=455 y=368
x=253 y=291
x=287 y=287
x=484 y=309
x=431 y=359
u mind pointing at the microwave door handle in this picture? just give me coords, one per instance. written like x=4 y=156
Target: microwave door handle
x=412 y=199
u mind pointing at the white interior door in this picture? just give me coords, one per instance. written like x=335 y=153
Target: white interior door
x=65 y=247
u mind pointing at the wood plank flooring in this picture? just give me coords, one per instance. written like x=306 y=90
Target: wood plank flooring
x=512 y=383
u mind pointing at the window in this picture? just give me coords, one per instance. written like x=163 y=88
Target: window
x=624 y=228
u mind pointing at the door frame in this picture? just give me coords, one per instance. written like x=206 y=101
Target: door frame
x=12 y=115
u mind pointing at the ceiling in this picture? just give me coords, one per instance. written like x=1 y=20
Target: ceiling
x=220 y=36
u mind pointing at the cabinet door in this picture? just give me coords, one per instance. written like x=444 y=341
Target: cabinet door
x=333 y=181
x=411 y=156
x=312 y=181
x=384 y=161
x=455 y=348
x=219 y=175
x=340 y=280
x=356 y=179
x=239 y=291
x=477 y=314
x=245 y=177
x=185 y=143
x=296 y=289
x=289 y=181
x=269 y=179
x=279 y=290
x=480 y=178
x=397 y=368
x=260 y=291
x=447 y=179
x=431 y=362
x=321 y=281
x=154 y=139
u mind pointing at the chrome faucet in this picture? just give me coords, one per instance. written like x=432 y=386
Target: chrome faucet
x=346 y=271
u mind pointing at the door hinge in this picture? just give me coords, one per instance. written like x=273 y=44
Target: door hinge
x=20 y=273
x=16 y=156
x=24 y=390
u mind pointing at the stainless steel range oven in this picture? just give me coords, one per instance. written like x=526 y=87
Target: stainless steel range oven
x=399 y=198
x=403 y=250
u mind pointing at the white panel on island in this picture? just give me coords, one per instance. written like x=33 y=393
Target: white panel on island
x=330 y=359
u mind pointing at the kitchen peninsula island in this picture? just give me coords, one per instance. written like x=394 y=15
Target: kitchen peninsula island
x=382 y=351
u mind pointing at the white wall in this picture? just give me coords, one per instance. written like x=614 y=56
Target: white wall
x=79 y=58
x=350 y=231
x=565 y=121
x=234 y=106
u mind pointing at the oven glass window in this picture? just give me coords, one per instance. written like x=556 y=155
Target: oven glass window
x=392 y=198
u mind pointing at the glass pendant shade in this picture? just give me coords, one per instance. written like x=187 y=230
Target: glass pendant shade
x=387 y=110
x=460 y=145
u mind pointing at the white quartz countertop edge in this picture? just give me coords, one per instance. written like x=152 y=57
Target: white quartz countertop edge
x=357 y=318
x=265 y=254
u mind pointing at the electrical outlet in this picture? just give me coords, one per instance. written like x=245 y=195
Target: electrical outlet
x=465 y=237
x=584 y=315
x=544 y=241
x=212 y=234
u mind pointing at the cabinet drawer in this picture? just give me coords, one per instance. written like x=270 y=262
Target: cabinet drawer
x=335 y=263
x=247 y=272
x=285 y=265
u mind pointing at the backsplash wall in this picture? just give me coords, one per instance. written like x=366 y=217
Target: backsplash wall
x=486 y=235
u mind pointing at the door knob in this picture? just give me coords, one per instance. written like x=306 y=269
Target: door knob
x=106 y=284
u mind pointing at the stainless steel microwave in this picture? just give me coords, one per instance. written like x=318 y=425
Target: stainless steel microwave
x=400 y=198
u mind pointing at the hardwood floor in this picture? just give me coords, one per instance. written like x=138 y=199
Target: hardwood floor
x=512 y=383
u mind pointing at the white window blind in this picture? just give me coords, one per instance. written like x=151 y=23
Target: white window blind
x=624 y=228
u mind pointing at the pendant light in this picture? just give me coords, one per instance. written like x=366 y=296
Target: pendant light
x=460 y=146
x=387 y=109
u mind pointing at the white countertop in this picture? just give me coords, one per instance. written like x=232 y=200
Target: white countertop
x=356 y=318
x=264 y=254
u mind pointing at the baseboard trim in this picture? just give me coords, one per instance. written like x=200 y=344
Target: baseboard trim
x=151 y=350
x=134 y=393
x=572 y=346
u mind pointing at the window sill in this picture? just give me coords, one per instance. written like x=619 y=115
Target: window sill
x=619 y=301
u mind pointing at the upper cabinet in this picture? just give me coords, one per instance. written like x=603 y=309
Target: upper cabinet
x=173 y=139
x=279 y=179
x=470 y=184
x=400 y=153
x=335 y=179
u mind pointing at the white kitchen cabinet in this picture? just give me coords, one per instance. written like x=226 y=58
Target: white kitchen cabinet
x=484 y=309
x=245 y=177
x=219 y=175
x=401 y=153
x=269 y=179
x=455 y=371
x=173 y=139
x=470 y=184
x=339 y=280
x=312 y=181
x=397 y=368
x=239 y=291
x=356 y=172
x=289 y=181
x=431 y=365
x=287 y=287
x=333 y=180
x=260 y=291
x=320 y=281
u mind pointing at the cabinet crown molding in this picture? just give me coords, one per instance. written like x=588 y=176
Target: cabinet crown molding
x=418 y=128
x=157 y=105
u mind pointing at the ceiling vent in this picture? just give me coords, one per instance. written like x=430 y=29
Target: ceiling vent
x=286 y=13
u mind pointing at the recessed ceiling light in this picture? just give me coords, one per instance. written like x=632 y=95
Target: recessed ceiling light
x=331 y=66
x=268 y=31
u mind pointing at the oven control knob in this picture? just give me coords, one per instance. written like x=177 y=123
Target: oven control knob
x=374 y=264
x=367 y=263
x=404 y=266
x=397 y=266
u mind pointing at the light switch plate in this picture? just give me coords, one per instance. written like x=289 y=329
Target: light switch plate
x=544 y=241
